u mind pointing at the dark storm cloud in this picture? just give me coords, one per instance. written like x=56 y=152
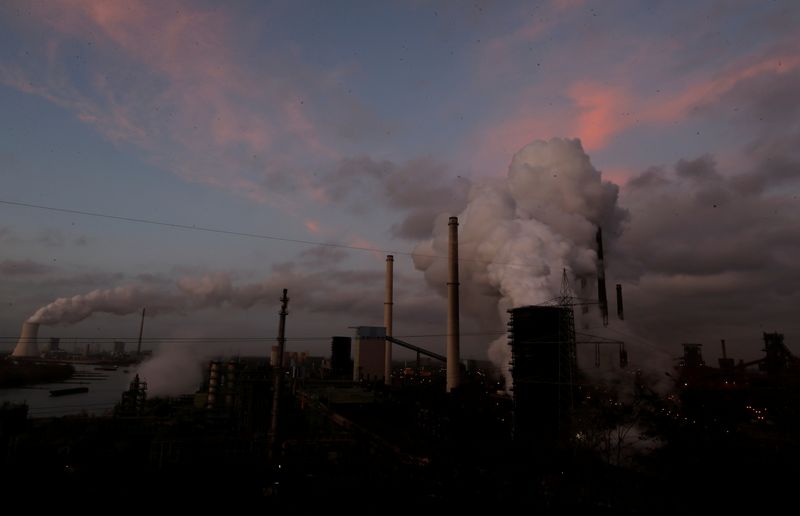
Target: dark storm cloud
x=767 y=104
x=701 y=169
x=420 y=188
x=710 y=254
x=23 y=268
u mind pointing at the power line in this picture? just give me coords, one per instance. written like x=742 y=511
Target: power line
x=194 y=227
x=66 y=341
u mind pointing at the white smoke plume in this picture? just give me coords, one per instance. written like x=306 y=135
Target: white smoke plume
x=185 y=295
x=517 y=234
x=174 y=369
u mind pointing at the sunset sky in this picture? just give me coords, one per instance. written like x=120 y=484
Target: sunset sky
x=358 y=123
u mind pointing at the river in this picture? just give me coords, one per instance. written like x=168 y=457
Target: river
x=105 y=391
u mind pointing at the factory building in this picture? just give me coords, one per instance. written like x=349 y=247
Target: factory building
x=341 y=366
x=369 y=353
x=543 y=366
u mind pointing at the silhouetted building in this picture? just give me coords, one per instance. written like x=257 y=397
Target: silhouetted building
x=369 y=354
x=778 y=357
x=692 y=356
x=543 y=366
x=341 y=366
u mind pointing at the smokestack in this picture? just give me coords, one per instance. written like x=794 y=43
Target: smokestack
x=27 y=345
x=601 y=278
x=453 y=359
x=620 y=310
x=387 y=321
x=273 y=356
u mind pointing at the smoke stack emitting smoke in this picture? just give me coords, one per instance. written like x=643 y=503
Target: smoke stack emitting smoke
x=516 y=235
x=519 y=232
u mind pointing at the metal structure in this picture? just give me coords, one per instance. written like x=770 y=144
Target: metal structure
x=213 y=384
x=387 y=321
x=141 y=329
x=278 y=372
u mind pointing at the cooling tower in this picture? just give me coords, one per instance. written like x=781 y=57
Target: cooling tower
x=27 y=345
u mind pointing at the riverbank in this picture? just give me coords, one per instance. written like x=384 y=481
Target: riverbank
x=15 y=373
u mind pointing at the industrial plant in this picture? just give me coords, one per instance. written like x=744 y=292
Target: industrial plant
x=296 y=432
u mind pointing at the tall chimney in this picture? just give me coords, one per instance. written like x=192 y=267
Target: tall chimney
x=620 y=310
x=601 y=278
x=27 y=345
x=387 y=320
x=453 y=359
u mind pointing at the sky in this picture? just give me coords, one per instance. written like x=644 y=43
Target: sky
x=334 y=133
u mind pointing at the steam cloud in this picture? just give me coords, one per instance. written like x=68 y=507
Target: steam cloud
x=517 y=234
x=188 y=294
x=174 y=369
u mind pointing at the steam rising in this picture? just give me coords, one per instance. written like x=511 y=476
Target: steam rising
x=520 y=232
x=188 y=294
x=174 y=369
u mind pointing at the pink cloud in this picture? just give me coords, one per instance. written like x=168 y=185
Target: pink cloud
x=172 y=82
x=606 y=111
x=708 y=90
x=497 y=144
x=312 y=226
x=600 y=113
x=302 y=127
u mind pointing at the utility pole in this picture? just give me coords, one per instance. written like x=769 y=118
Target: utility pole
x=141 y=329
x=277 y=372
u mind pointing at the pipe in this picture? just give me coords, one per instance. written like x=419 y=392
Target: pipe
x=620 y=310
x=387 y=320
x=601 y=277
x=453 y=359
x=28 y=344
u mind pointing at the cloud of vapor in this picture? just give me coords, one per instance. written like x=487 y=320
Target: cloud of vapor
x=330 y=289
x=516 y=235
x=175 y=368
x=357 y=178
